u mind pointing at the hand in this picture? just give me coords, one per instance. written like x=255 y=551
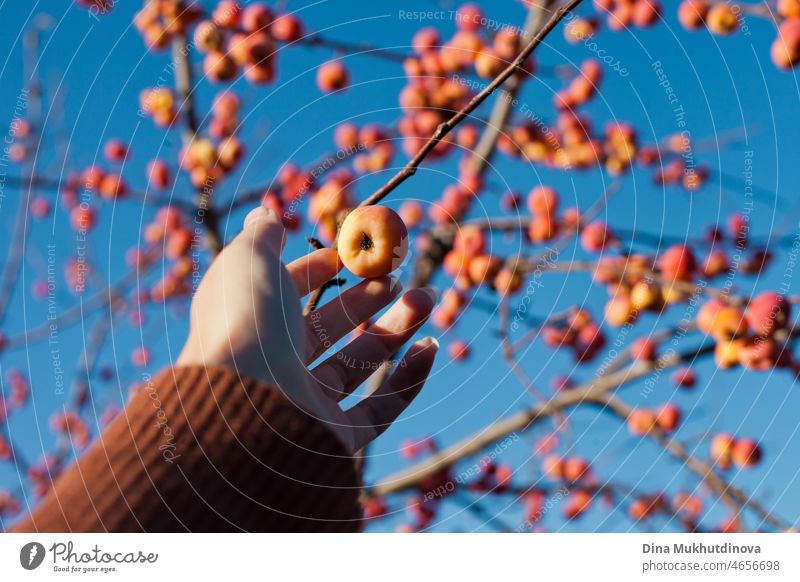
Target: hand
x=246 y=315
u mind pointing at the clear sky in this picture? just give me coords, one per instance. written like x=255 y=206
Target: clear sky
x=93 y=71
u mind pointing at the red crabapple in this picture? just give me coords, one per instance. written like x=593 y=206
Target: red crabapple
x=115 y=151
x=331 y=76
x=692 y=13
x=767 y=312
x=677 y=263
x=286 y=28
x=458 y=350
x=256 y=17
x=745 y=453
x=668 y=417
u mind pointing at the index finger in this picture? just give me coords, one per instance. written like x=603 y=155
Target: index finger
x=313 y=270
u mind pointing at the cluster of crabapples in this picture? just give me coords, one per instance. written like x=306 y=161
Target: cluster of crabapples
x=233 y=38
x=106 y=183
x=753 y=337
x=579 y=332
x=622 y=14
x=433 y=90
x=642 y=421
x=209 y=159
x=578 y=489
x=727 y=450
x=17 y=144
x=170 y=232
x=470 y=265
x=723 y=18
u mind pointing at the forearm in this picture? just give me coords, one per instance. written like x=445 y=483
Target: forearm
x=199 y=449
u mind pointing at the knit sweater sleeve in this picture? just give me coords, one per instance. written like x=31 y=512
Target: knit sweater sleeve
x=202 y=449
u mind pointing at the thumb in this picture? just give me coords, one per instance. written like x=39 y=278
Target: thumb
x=263 y=229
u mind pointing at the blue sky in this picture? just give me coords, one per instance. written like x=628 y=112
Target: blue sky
x=93 y=72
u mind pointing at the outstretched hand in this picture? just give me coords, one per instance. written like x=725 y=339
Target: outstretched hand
x=246 y=315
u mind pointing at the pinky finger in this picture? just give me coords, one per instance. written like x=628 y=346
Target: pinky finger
x=373 y=415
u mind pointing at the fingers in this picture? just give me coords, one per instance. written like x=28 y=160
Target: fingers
x=373 y=415
x=334 y=320
x=340 y=374
x=313 y=270
x=264 y=231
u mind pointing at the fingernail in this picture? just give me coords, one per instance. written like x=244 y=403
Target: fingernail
x=430 y=341
x=269 y=213
x=431 y=292
x=255 y=215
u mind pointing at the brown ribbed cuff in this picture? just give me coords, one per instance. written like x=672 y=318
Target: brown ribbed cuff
x=201 y=449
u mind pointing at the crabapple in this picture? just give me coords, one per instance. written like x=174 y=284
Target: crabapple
x=641 y=421
x=112 y=186
x=677 y=263
x=92 y=177
x=487 y=64
x=785 y=49
x=508 y=281
x=458 y=351
x=219 y=67
x=645 y=295
x=646 y=12
x=82 y=218
x=208 y=37
x=229 y=152
x=668 y=417
x=286 y=28
x=643 y=349
x=761 y=354
x=469 y=17
x=483 y=268
x=721 y=19
x=728 y=353
x=115 y=151
x=140 y=357
x=40 y=207
x=158 y=175
x=789 y=8
x=373 y=241
x=720 y=320
x=227 y=14
x=256 y=17
x=595 y=236
x=684 y=378
x=543 y=201
x=553 y=467
x=715 y=263
x=331 y=76
x=722 y=450
x=691 y=13
x=542 y=228
x=575 y=469
x=745 y=453
x=767 y=312
x=579 y=29
x=411 y=213
x=577 y=503
x=178 y=243
x=619 y=311
x=425 y=39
